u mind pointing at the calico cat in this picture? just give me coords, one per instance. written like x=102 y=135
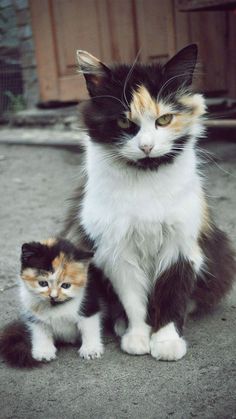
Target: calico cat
x=59 y=303
x=142 y=206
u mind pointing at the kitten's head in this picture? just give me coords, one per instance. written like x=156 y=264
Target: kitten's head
x=142 y=115
x=54 y=270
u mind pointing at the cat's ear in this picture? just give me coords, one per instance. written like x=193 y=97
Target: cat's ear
x=30 y=249
x=94 y=71
x=180 y=68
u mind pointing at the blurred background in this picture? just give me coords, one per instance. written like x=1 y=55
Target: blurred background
x=39 y=38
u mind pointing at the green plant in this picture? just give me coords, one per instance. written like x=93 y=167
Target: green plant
x=17 y=102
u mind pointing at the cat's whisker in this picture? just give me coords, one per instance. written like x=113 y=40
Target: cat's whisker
x=129 y=75
x=111 y=97
x=169 y=81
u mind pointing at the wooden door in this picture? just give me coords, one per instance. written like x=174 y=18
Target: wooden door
x=103 y=27
x=118 y=30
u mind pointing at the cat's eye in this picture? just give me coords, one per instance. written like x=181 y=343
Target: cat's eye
x=164 y=120
x=43 y=283
x=65 y=285
x=123 y=122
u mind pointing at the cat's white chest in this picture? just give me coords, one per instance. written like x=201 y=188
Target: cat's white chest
x=116 y=204
x=141 y=215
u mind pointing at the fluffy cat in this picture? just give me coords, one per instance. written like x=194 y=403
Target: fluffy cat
x=142 y=207
x=59 y=303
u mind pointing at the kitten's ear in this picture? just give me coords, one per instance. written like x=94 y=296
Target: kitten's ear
x=30 y=249
x=180 y=68
x=94 y=71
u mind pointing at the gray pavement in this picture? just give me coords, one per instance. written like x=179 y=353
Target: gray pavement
x=35 y=183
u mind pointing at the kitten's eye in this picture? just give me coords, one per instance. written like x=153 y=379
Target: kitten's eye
x=164 y=120
x=43 y=283
x=65 y=285
x=123 y=122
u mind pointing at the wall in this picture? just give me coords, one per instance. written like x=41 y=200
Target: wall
x=27 y=52
x=18 y=77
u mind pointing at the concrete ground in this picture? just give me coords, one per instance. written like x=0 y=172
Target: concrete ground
x=35 y=183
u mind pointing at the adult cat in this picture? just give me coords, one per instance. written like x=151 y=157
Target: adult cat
x=142 y=206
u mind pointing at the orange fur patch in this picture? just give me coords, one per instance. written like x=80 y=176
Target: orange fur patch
x=29 y=275
x=76 y=272
x=70 y=271
x=142 y=102
x=59 y=261
x=49 y=242
x=180 y=122
x=206 y=222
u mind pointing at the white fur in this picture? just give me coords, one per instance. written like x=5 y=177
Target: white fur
x=167 y=345
x=43 y=348
x=92 y=346
x=59 y=322
x=141 y=221
x=136 y=341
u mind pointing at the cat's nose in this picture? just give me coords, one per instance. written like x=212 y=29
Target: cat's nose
x=146 y=148
x=53 y=294
x=53 y=301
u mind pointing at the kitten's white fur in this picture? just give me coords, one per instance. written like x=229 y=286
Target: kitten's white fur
x=61 y=322
x=92 y=346
x=141 y=221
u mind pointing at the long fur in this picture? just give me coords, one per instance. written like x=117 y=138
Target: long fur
x=143 y=208
x=15 y=346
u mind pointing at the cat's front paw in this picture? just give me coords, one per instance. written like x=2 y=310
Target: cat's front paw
x=91 y=352
x=136 y=342
x=44 y=354
x=167 y=345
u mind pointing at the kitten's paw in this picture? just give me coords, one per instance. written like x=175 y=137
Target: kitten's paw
x=91 y=352
x=136 y=342
x=167 y=345
x=44 y=354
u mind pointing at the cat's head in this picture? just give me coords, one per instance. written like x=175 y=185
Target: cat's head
x=142 y=115
x=54 y=270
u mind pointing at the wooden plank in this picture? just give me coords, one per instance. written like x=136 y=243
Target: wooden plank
x=45 y=49
x=182 y=29
x=209 y=30
x=76 y=27
x=155 y=28
x=231 y=54
x=193 y=5
x=73 y=88
x=121 y=30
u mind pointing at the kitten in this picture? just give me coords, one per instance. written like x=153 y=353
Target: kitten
x=142 y=206
x=58 y=303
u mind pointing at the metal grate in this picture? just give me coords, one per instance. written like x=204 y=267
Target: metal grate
x=11 y=88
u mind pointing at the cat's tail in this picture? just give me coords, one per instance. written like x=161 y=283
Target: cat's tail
x=218 y=276
x=15 y=346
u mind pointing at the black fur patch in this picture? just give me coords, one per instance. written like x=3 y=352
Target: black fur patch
x=40 y=256
x=100 y=295
x=171 y=293
x=218 y=275
x=15 y=346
